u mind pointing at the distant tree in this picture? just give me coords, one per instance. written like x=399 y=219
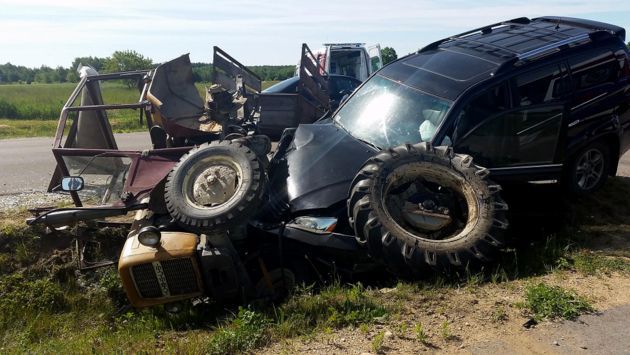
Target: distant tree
x=202 y=72
x=628 y=44
x=95 y=62
x=273 y=72
x=72 y=76
x=389 y=55
x=61 y=74
x=127 y=61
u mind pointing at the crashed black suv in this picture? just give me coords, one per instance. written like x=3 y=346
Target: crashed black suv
x=537 y=100
x=406 y=175
x=541 y=99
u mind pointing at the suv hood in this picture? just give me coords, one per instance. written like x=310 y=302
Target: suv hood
x=322 y=161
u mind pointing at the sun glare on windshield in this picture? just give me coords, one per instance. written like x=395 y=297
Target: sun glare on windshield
x=386 y=114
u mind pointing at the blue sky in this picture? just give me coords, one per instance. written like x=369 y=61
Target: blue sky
x=54 y=32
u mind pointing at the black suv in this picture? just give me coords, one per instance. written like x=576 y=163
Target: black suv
x=540 y=99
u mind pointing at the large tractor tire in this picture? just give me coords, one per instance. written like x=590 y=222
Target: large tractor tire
x=418 y=206
x=215 y=185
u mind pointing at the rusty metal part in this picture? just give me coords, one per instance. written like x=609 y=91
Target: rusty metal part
x=174 y=94
x=424 y=219
x=210 y=126
x=80 y=250
x=446 y=178
x=265 y=273
x=215 y=185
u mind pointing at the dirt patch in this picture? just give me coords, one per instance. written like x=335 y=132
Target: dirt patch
x=468 y=319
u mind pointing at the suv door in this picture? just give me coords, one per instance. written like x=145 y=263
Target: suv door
x=623 y=56
x=516 y=129
x=597 y=94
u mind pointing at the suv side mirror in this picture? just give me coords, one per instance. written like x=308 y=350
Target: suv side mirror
x=72 y=183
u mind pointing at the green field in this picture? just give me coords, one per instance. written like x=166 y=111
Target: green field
x=32 y=110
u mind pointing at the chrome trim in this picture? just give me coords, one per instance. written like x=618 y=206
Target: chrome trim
x=542 y=182
x=529 y=167
x=552 y=46
x=542 y=123
x=589 y=101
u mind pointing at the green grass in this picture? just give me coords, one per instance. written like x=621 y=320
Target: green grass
x=377 y=342
x=421 y=336
x=33 y=110
x=591 y=263
x=44 y=101
x=554 y=302
x=46 y=308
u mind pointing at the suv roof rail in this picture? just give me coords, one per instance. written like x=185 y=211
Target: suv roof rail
x=484 y=29
x=554 y=47
x=587 y=24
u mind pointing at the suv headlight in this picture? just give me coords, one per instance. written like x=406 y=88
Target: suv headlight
x=314 y=224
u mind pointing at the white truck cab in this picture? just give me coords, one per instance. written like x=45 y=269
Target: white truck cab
x=350 y=59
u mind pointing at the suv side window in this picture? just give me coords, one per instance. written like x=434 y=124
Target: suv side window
x=489 y=103
x=542 y=85
x=591 y=70
x=525 y=135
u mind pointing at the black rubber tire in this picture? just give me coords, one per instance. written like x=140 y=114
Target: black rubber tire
x=571 y=175
x=237 y=209
x=405 y=253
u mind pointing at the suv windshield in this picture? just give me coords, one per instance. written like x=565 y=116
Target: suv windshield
x=386 y=114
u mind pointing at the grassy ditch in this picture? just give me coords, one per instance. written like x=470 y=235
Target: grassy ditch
x=45 y=306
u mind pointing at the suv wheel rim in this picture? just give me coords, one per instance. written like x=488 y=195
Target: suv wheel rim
x=589 y=169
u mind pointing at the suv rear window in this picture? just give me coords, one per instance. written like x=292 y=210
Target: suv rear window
x=590 y=70
x=542 y=85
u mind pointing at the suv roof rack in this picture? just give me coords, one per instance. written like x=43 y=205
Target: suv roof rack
x=525 y=30
x=554 y=47
x=484 y=29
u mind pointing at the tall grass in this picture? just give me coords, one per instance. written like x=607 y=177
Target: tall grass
x=32 y=110
x=44 y=101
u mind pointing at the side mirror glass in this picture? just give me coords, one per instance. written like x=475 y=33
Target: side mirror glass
x=72 y=183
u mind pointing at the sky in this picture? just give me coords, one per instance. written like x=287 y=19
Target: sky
x=54 y=32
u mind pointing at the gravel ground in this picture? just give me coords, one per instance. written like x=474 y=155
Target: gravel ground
x=32 y=200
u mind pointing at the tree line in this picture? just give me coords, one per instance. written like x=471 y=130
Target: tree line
x=120 y=61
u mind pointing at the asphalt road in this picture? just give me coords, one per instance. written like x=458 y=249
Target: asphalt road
x=26 y=164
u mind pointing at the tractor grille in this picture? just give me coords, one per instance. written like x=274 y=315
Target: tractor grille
x=165 y=278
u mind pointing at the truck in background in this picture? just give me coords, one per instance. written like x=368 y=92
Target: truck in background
x=350 y=59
